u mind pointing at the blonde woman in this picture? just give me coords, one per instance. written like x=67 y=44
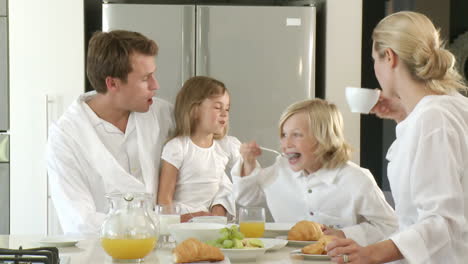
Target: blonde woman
x=315 y=179
x=428 y=168
x=194 y=161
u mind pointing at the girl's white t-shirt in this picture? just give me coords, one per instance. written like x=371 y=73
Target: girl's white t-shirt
x=202 y=181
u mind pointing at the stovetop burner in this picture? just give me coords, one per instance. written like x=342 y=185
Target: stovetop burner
x=45 y=255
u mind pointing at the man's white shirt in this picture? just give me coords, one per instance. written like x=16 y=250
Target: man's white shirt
x=82 y=168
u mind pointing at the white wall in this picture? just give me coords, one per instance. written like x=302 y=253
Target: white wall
x=46 y=58
x=343 y=60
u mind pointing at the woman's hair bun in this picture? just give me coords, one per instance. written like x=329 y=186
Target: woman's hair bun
x=432 y=64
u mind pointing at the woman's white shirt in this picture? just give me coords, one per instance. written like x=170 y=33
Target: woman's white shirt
x=346 y=196
x=428 y=174
x=202 y=180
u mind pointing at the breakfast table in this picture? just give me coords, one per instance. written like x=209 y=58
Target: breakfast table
x=88 y=250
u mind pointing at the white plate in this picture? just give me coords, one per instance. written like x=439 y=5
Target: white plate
x=298 y=252
x=170 y=259
x=225 y=261
x=297 y=243
x=244 y=254
x=59 y=241
x=274 y=243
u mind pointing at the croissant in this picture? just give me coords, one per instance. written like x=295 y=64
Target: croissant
x=319 y=247
x=305 y=231
x=316 y=248
x=192 y=250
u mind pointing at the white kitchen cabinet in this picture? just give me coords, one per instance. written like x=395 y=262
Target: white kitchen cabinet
x=46 y=75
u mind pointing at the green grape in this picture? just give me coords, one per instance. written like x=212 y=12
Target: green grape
x=224 y=231
x=225 y=236
x=238 y=243
x=228 y=244
x=234 y=228
x=238 y=235
x=229 y=238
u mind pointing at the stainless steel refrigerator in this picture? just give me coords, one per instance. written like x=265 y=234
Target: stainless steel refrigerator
x=4 y=124
x=264 y=54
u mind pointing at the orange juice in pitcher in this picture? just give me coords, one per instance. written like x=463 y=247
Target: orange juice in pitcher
x=128 y=248
x=129 y=232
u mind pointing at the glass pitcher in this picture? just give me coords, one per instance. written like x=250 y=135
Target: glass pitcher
x=130 y=230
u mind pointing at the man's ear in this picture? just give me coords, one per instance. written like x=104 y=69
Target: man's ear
x=391 y=57
x=112 y=84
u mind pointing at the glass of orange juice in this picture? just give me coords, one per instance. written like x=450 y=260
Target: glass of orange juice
x=252 y=221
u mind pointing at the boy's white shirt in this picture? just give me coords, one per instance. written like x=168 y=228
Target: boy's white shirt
x=202 y=180
x=82 y=170
x=346 y=196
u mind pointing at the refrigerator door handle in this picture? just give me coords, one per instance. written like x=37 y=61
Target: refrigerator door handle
x=188 y=40
x=4 y=148
x=4 y=93
x=202 y=54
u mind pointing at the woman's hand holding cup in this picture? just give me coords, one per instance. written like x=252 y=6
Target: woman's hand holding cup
x=389 y=108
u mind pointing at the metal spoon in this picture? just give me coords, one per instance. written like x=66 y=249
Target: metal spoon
x=272 y=150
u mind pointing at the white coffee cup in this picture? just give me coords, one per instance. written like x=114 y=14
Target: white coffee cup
x=210 y=219
x=361 y=100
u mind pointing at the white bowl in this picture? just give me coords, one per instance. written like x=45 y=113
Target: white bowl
x=200 y=231
x=361 y=100
x=252 y=254
x=273 y=230
x=210 y=219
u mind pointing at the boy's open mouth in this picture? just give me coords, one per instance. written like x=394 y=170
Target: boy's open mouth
x=292 y=156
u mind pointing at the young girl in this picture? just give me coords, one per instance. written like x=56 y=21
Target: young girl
x=195 y=160
x=316 y=180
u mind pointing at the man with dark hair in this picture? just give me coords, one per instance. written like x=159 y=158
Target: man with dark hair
x=109 y=140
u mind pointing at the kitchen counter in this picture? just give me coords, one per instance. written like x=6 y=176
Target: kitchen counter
x=90 y=251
